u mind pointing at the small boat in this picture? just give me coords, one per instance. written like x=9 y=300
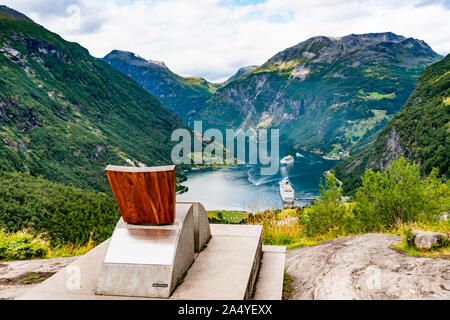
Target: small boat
x=287 y=160
x=286 y=191
x=298 y=155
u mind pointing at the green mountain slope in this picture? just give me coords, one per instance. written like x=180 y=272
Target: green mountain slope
x=420 y=131
x=327 y=95
x=13 y=13
x=182 y=95
x=65 y=115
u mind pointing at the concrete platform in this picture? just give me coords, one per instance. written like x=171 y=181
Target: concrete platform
x=225 y=269
x=269 y=283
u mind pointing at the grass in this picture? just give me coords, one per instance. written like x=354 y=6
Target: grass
x=440 y=252
x=35 y=277
x=30 y=277
x=180 y=280
x=69 y=250
x=303 y=242
x=376 y=95
x=228 y=216
x=285 y=228
x=205 y=245
x=288 y=291
x=25 y=244
x=434 y=253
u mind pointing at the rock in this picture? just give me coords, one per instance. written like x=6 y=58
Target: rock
x=365 y=267
x=427 y=239
x=98 y=150
x=12 y=274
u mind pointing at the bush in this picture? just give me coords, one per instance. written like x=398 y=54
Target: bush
x=408 y=238
x=328 y=212
x=399 y=195
x=21 y=245
x=280 y=227
x=383 y=202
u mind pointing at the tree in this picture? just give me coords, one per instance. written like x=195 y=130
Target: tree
x=328 y=211
x=388 y=198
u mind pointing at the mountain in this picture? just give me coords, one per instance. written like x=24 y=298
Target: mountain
x=13 y=13
x=65 y=115
x=182 y=95
x=327 y=95
x=240 y=73
x=420 y=131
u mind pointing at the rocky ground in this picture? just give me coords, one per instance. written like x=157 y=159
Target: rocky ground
x=18 y=276
x=365 y=267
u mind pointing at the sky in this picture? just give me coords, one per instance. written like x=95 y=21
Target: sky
x=213 y=38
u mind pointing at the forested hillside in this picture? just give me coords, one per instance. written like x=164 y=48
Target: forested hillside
x=65 y=115
x=420 y=131
x=66 y=214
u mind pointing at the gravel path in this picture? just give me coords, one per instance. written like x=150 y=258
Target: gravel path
x=364 y=267
x=18 y=276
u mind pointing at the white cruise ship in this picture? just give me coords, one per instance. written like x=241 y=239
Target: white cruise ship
x=287 y=160
x=286 y=191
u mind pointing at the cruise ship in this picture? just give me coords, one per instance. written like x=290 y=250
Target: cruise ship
x=287 y=160
x=286 y=191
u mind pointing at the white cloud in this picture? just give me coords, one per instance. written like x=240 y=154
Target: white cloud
x=213 y=38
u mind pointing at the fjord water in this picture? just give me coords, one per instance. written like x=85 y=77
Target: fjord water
x=242 y=187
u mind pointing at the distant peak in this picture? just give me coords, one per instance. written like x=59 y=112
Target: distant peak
x=240 y=73
x=322 y=48
x=13 y=13
x=132 y=58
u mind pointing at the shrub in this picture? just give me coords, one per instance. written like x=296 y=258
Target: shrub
x=445 y=242
x=408 y=238
x=280 y=227
x=398 y=195
x=21 y=245
x=327 y=213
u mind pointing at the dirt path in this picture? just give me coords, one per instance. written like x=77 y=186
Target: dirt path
x=18 y=276
x=364 y=267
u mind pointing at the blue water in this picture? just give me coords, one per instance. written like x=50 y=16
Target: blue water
x=242 y=187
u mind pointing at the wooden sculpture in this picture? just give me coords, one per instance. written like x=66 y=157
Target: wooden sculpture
x=144 y=195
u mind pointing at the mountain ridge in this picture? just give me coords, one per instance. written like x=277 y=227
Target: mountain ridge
x=326 y=95
x=14 y=14
x=183 y=95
